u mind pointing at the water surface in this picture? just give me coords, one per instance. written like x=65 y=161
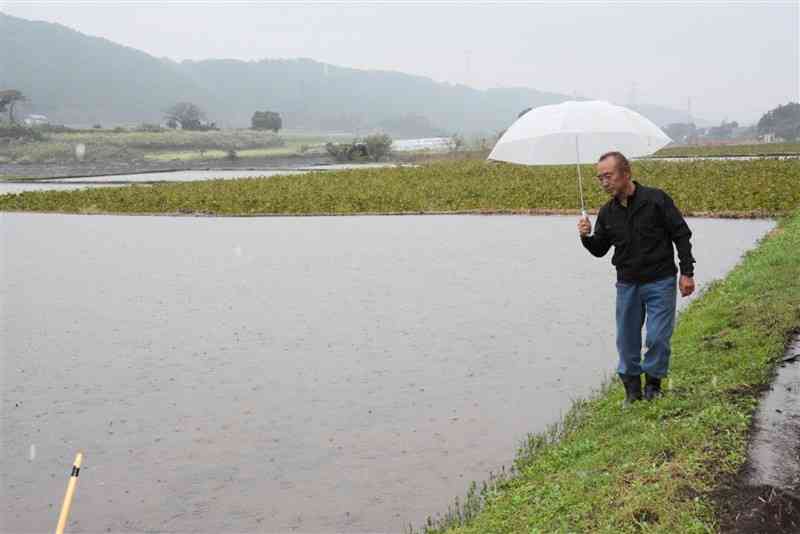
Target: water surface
x=278 y=374
x=116 y=180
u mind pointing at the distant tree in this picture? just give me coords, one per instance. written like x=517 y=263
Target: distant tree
x=266 y=120
x=338 y=151
x=723 y=131
x=681 y=132
x=188 y=115
x=457 y=142
x=355 y=151
x=192 y=124
x=378 y=145
x=783 y=121
x=485 y=144
x=8 y=100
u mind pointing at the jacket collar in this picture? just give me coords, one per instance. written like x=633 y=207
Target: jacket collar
x=635 y=201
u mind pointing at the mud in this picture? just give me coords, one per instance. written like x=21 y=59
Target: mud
x=766 y=495
x=760 y=510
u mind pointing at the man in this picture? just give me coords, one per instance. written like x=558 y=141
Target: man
x=642 y=223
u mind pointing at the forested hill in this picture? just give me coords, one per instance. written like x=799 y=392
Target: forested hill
x=75 y=78
x=78 y=79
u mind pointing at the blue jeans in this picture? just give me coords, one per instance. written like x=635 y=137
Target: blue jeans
x=656 y=301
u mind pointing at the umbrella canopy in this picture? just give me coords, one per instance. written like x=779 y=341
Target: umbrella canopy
x=577 y=132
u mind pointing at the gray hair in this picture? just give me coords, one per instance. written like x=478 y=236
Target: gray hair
x=622 y=163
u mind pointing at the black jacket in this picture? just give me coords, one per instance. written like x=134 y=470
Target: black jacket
x=642 y=235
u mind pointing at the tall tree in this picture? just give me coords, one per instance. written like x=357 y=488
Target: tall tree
x=188 y=115
x=8 y=100
x=378 y=145
x=266 y=120
x=783 y=121
x=681 y=132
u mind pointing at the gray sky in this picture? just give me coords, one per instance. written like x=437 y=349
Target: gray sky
x=734 y=59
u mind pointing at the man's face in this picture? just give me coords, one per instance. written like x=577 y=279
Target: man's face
x=611 y=180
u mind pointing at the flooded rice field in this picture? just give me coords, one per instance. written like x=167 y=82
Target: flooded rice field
x=291 y=374
x=67 y=184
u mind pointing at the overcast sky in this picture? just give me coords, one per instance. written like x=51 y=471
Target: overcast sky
x=734 y=59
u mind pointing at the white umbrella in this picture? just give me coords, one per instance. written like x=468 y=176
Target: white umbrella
x=577 y=132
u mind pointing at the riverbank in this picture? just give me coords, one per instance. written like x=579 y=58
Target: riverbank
x=74 y=169
x=758 y=188
x=762 y=149
x=673 y=465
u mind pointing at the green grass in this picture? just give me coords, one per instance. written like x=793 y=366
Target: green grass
x=173 y=139
x=655 y=466
x=765 y=149
x=739 y=188
x=223 y=154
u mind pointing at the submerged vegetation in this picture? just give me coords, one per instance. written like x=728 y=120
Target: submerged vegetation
x=732 y=188
x=657 y=466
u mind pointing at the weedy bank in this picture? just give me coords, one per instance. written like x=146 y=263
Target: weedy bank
x=722 y=188
x=765 y=149
x=658 y=466
x=168 y=145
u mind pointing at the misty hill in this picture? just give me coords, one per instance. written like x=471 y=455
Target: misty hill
x=78 y=79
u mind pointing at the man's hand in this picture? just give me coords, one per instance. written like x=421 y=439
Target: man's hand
x=584 y=226
x=686 y=285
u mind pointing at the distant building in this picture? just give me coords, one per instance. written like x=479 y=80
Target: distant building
x=36 y=120
x=771 y=138
x=434 y=144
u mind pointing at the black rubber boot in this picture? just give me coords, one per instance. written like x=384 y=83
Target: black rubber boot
x=652 y=387
x=633 y=388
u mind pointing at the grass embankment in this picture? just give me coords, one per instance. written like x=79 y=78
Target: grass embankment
x=191 y=155
x=657 y=466
x=106 y=145
x=765 y=149
x=741 y=188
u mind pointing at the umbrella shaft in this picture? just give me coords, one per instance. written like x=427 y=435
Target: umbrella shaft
x=580 y=180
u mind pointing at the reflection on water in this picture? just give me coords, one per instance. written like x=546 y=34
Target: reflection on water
x=278 y=374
